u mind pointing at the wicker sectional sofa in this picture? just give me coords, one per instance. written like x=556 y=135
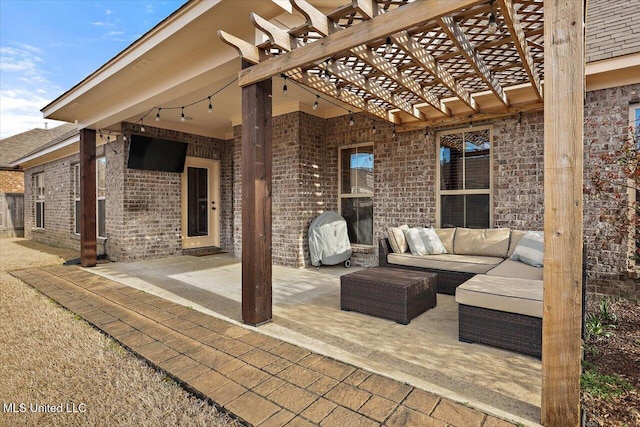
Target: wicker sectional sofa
x=499 y=299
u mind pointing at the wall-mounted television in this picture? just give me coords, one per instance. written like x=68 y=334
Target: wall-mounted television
x=148 y=153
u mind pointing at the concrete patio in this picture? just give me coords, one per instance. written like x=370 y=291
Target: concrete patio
x=306 y=312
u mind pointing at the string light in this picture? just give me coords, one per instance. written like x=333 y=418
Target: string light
x=142 y=129
x=210 y=110
x=315 y=104
x=351 y=120
x=388 y=45
x=182 y=117
x=373 y=128
x=492 y=27
x=394 y=131
x=158 y=115
x=284 y=87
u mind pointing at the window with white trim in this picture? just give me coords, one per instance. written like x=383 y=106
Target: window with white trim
x=38 y=200
x=464 y=175
x=355 y=191
x=101 y=193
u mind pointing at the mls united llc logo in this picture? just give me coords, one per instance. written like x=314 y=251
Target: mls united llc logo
x=67 y=408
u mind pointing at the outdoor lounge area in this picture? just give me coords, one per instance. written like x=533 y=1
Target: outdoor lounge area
x=425 y=353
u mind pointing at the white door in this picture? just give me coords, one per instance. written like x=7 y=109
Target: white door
x=200 y=203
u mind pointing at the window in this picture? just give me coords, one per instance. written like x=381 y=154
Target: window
x=38 y=200
x=355 y=191
x=464 y=176
x=101 y=192
x=634 y=194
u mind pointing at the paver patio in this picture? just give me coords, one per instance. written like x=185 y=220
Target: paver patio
x=261 y=380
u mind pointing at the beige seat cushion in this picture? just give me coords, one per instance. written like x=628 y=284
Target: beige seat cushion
x=450 y=262
x=493 y=242
x=519 y=296
x=446 y=237
x=517 y=269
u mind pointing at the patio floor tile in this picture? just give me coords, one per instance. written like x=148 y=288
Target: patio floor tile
x=357 y=377
x=248 y=376
x=378 y=408
x=297 y=375
x=278 y=419
x=292 y=398
x=269 y=386
x=157 y=352
x=289 y=352
x=349 y=396
x=318 y=410
x=390 y=389
x=341 y=417
x=209 y=381
x=421 y=400
x=208 y=356
x=323 y=385
x=278 y=365
x=333 y=368
x=404 y=416
x=226 y=393
x=299 y=422
x=495 y=422
x=252 y=408
x=258 y=358
x=457 y=415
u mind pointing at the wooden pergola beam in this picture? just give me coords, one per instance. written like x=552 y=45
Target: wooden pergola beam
x=563 y=203
x=88 y=231
x=400 y=19
x=377 y=61
x=519 y=40
x=461 y=41
x=426 y=60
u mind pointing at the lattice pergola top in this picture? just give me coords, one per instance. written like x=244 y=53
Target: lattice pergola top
x=408 y=61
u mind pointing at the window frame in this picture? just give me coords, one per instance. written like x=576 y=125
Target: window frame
x=76 y=197
x=38 y=199
x=440 y=192
x=342 y=195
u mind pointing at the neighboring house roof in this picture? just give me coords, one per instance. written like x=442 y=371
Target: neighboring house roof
x=16 y=146
x=613 y=29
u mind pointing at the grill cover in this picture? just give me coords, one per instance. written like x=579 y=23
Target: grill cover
x=328 y=240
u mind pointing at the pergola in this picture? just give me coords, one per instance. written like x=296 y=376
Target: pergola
x=425 y=63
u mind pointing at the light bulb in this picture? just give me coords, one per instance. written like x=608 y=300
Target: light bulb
x=142 y=128
x=210 y=106
x=182 y=117
x=158 y=115
x=315 y=104
x=493 y=25
x=388 y=45
x=373 y=129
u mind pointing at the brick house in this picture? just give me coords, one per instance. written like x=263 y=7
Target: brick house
x=144 y=213
x=12 y=179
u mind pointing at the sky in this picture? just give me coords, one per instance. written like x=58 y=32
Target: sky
x=47 y=47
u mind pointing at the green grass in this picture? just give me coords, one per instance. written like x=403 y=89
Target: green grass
x=603 y=386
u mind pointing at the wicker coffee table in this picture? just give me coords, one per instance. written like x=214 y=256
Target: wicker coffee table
x=389 y=293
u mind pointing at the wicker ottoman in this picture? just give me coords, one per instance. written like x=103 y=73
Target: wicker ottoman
x=389 y=293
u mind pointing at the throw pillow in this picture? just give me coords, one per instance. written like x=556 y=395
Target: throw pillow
x=397 y=240
x=530 y=249
x=424 y=241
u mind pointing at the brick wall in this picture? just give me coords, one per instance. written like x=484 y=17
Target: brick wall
x=607 y=123
x=11 y=181
x=149 y=217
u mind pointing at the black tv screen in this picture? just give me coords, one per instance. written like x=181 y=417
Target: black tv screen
x=156 y=154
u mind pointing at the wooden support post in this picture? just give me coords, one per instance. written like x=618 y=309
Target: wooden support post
x=88 y=239
x=256 y=202
x=563 y=149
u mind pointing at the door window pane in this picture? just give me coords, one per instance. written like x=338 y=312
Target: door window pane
x=197 y=202
x=477 y=210
x=451 y=162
